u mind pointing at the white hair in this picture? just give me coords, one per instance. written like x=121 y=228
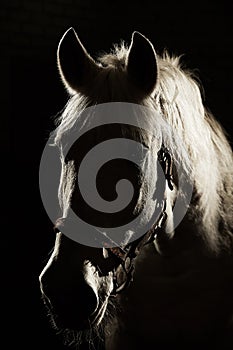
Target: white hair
x=177 y=97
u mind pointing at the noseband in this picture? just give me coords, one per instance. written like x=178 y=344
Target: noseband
x=122 y=258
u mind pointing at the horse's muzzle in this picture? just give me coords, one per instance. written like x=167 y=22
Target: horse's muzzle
x=71 y=306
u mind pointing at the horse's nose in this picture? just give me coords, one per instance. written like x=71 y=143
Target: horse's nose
x=71 y=301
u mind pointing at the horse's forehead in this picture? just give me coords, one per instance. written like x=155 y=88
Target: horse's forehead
x=114 y=136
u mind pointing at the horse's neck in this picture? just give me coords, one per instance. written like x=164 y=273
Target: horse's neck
x=180 y=292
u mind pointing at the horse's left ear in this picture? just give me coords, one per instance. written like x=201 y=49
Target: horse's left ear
x=76 y=66
x=142 y=63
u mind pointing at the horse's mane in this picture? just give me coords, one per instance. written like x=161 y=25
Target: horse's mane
x=178 y=98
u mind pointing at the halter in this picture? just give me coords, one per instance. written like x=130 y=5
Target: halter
x=123 y=257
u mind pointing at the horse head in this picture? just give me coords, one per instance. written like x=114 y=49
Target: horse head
x=79 y=280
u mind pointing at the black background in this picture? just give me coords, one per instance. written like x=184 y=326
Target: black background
x=32 y=94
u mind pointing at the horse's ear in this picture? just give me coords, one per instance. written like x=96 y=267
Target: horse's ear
x=76 y=67
x=142 y=63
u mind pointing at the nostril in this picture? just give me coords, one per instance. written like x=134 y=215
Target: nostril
x=69 y=297
x=71 y=305
x=90 y=300
x=81 y=301
x=74 y=308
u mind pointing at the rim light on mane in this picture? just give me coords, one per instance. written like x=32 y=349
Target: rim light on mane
x=181 y=288
x=171 y=91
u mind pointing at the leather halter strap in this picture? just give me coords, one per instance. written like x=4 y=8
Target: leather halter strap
x=125 y=257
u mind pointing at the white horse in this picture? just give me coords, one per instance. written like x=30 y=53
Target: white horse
x=182 y=288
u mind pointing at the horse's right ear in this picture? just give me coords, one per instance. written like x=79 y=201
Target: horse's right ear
x=142 y=63
x=76 y=67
